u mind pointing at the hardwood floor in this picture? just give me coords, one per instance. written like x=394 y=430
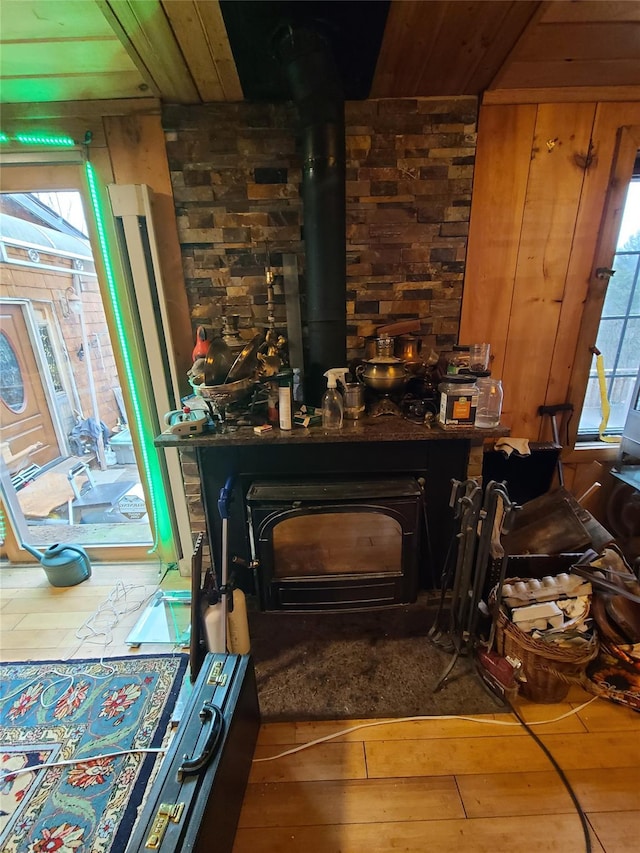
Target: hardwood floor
x=42 y=622
x=430 y=785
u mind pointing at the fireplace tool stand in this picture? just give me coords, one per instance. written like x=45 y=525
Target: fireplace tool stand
x=482 y=522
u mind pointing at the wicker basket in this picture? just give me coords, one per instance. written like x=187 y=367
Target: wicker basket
x=549 y=670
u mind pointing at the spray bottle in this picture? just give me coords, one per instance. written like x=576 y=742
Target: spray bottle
x=332 y=401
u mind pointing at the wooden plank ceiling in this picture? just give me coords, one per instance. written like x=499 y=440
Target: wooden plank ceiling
x=203 y=51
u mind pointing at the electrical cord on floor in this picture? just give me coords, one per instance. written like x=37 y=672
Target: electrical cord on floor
x=418 y=719
x=488 y=721
x=100 y=624
x=97 y=629
x=561 y=774
x=6 y=775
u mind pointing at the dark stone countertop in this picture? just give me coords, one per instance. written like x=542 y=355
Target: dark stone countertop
x=385 y=428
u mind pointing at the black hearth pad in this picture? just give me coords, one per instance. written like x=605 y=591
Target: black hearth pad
x=365 y=665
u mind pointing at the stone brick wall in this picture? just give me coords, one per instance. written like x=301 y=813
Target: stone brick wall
x=409 y=180
x=236 y=179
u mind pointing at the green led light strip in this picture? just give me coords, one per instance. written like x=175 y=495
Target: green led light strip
x=163 y=521
x=39 y=139
x=145 y=424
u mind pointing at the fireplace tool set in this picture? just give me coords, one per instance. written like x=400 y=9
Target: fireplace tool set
x=482 y=520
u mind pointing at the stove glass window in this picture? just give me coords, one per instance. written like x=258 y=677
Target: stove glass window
x=333 y=543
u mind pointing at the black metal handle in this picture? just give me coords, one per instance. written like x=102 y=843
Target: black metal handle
x=213 y=715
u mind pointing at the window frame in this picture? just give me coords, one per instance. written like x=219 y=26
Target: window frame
x=627 y=147
x=22 y=176
x=630 y=315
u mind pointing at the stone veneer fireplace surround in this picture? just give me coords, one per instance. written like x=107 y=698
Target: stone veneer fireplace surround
x=236 y=176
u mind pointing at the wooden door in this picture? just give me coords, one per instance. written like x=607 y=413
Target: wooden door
x=27 y=432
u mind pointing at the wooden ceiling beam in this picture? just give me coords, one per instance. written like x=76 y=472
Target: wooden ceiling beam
x=530 y=26
x=447 y=48
x=554 y=72
x=93 y=109
x=145 y=33
x=72 y=87
x=597 y=94
x=200 y=31
x=595 y=11
x=587 y=41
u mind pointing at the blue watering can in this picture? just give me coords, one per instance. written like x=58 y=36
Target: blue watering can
x=64 y=565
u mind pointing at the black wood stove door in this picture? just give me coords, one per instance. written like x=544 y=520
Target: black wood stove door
x=335 y=545
x=435 y=462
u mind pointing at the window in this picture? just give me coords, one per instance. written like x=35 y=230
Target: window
x=618 y=337
x=11 y=381
x=23 y=322
x=70 y=463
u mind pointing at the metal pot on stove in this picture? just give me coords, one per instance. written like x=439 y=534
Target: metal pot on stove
x=407 y=347
x=383 y=374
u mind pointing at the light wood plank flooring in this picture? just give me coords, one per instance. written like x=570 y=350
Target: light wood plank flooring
x=43 y=622
x=430 y=785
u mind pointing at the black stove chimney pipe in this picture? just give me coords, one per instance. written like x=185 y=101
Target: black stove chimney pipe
x=316 y=89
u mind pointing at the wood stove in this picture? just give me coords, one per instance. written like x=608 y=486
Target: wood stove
x=367 y=451
x=335 y=545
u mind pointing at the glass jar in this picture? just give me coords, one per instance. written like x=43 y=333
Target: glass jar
x=490 y=395
x=458 y=400
x=353 y=393
x=384 y=347
x=459 y=361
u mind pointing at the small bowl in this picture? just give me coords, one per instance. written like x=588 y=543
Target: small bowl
x=235 y=390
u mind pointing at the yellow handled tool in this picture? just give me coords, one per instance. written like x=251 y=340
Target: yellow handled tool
x=605 y=408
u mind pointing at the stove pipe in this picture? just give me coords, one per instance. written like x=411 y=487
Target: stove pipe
x=316 y=89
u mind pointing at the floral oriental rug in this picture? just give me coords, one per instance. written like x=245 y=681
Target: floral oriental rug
x=80 y=712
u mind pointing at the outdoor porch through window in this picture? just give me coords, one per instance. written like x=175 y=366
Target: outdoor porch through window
x=67 y=460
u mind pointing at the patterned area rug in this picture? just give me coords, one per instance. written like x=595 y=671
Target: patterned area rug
x=615 y=674
x=55 y=711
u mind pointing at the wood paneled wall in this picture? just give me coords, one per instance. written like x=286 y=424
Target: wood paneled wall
x=542 y=176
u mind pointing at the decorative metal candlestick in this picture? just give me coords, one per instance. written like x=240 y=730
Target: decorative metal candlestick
x=230 y=333
x=275 y=343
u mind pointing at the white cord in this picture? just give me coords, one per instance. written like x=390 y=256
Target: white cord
x=9 y=774
x=487 y=720
x=111 y=607
x=107 y=616
x=114 y=613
